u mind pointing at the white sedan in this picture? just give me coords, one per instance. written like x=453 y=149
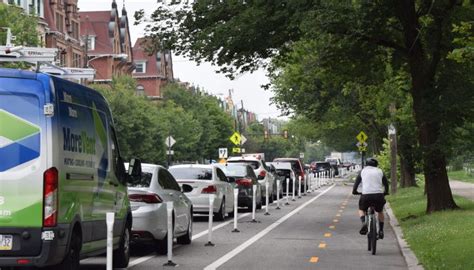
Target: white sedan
x=148 y=195
x=206 y=180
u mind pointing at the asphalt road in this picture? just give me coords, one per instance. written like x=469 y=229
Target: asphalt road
x=318 y=231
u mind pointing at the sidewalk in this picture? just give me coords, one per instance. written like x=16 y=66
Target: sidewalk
x=463 y=189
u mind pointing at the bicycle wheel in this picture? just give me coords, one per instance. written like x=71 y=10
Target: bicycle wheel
x=369 y=241
x=373 y=235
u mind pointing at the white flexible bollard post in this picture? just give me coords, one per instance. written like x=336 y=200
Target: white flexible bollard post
x=266 y=198
x=169 y=211
x=110 y=219
x=254 y=202
x=287 y=191
x=309 y=180
x=211 y=215
x=305 y=181
x=294 y=188
x=299 y=186
x=278 y=195
x=236 y=209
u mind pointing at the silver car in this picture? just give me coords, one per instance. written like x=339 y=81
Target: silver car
x=262 y=172
x=206 y=180
x=148 y=196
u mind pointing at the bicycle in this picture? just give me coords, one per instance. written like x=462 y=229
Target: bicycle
x=372 y=226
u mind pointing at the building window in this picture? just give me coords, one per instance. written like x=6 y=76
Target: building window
x=90 y=43
x=140 y=67
x=76 y=61
x=59 y=22
x=75 y=30
x=140 y=90
x=62 y=57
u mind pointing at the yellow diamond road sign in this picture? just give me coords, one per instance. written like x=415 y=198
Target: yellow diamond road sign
x=235 y=138
x=361 y=137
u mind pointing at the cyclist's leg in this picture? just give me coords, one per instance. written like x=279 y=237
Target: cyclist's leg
x=363 y=206
x=379 y=204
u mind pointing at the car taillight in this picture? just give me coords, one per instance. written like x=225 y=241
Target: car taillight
x=150 y=198
x=50 y=197
x=244 y=182
x=209 y=190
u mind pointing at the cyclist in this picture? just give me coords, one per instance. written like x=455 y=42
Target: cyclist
x=374 y=189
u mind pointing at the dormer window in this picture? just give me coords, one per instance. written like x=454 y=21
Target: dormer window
x=140 y=67
x=90 y=43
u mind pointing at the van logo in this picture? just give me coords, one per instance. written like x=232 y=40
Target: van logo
x=2 y=200
x=19 y=141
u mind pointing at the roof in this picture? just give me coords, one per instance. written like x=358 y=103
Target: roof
x=140 y=53
x=244 y=159
x=98 y=24
x=199 y=166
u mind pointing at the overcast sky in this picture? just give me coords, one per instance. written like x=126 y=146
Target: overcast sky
x=246 y=87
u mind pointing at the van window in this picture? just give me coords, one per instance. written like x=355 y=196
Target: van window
x=117 y=162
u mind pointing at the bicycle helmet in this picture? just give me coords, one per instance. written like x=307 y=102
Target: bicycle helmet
x=371 y=162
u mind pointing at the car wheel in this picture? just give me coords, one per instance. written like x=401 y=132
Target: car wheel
x=121 y=256
x=72 y=258
x=186 y=239
x=220 y=216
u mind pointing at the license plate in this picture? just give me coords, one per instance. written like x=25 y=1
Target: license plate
x=6 y=242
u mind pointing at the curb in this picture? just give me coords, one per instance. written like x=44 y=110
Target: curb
x=408 y=255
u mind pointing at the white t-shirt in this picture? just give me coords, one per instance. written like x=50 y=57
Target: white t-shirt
x=372 y=180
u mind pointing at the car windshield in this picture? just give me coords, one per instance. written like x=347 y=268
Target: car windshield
x=191 y=173
x=254 y=164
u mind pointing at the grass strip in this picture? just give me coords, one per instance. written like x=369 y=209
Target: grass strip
x=442 y=240
x=461 y=176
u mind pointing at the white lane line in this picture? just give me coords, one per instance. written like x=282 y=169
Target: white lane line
x=254 y=239
x=201 y=234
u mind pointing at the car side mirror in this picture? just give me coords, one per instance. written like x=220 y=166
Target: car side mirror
x=186 y=188
x=135 y=167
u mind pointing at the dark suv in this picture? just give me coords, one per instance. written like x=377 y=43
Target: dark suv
x=320 y=166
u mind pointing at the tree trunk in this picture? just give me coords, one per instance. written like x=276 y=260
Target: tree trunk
x=423 y=69
x=407 y=172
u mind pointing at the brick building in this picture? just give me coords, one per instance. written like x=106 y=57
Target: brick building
x=62 y=32
x=152 y=70
x=109 y=49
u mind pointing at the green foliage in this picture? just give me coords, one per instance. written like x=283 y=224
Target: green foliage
x=196 y=122
x=23 y=27
x=140 y=134
x=462 y=175
x=440 y=240
x=465 y=40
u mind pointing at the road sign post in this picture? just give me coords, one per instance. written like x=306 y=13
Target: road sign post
x=362 y=145
x=170 y=141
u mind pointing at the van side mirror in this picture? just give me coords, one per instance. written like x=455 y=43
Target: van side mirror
x=135 y=167
x=186 y=188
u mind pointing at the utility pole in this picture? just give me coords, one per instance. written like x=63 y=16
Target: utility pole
x=241 y=124
x=392 y=133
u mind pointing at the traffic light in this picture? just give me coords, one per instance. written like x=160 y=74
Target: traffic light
x=285 y=134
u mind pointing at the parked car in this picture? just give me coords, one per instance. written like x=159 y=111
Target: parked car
x=296 y=165
x=272 y=171
x=320 y=166
x=61 y=172
x=285 y=171
x=335 y=163
x=242 y=176
x=148 y=195
x=262 y=172
x=206 y=180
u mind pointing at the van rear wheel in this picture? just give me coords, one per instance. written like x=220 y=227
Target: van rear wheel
x=72 y=259
x=121 y=256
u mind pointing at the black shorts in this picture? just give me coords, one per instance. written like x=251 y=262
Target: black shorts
x=376 y=200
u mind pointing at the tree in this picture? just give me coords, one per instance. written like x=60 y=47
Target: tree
x=22 y=26
x=416 y=33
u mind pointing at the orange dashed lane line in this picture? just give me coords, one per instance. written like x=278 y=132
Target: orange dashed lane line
x=332 y=227
x=322 y=245
x=327 y=235
x=314 y=259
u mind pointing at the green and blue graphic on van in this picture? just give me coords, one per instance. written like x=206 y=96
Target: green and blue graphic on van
x=19 y=141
